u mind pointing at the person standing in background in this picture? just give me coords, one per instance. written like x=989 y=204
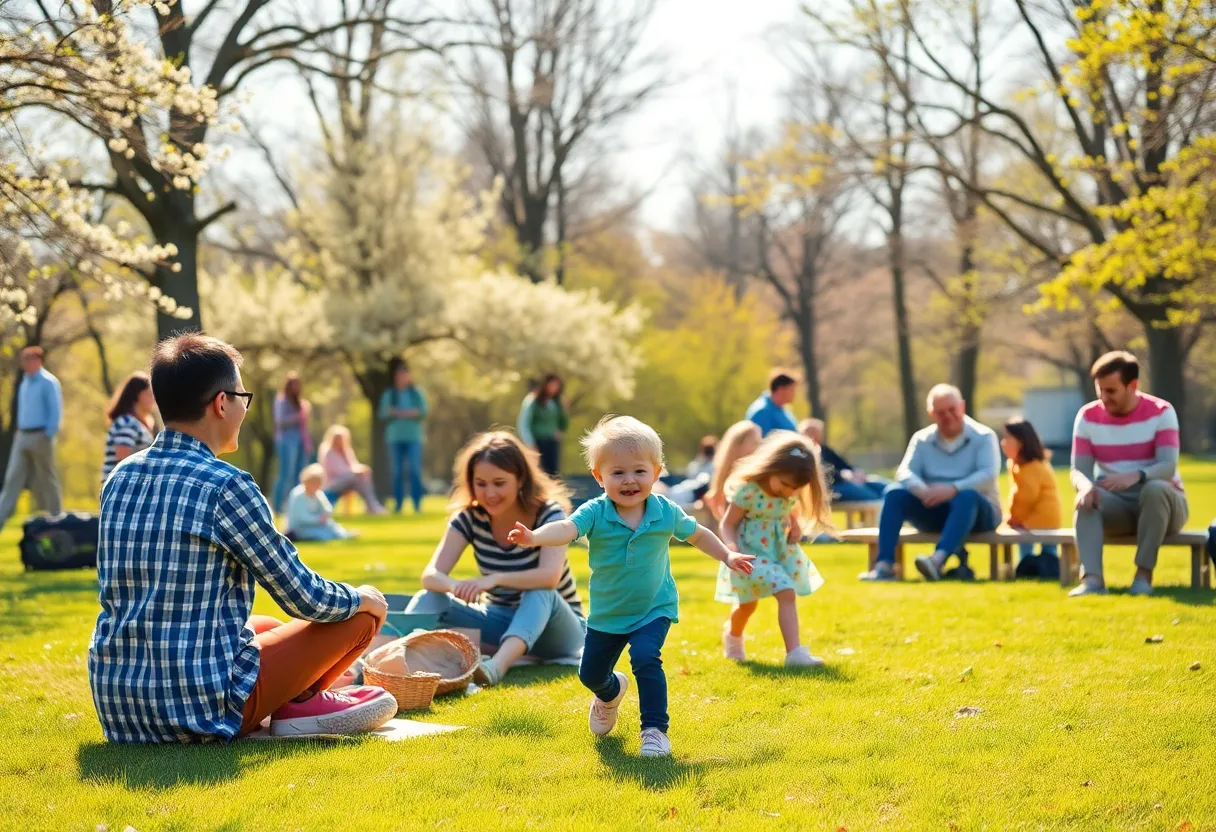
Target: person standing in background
x=771 y=409
x=31 y=461
x=131 y=423
x=543 y=421
x=403 y=409
x=292 y=442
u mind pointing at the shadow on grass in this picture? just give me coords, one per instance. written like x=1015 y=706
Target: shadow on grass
x=520 y=677
x=652 y=773
x=828 y=673
x=1179 y=594
x=169 y=766
x=31 y=585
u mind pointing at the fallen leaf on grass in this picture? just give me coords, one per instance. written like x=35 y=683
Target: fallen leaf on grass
x=1088 y=783
x=1194 y=666
x=997 y=644
x=967 y=710
x=966 y=673
x=672 y=813
x=770 y=814
x=1185 y=826
x=1176 y=621
x=1157 y=639
x=845 y=651
x=912 y=638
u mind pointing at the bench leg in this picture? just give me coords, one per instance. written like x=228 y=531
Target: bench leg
x=1068 y=553
x=1198 y=566
x=1205 y=577
x=872 y=554
x=1008 y=562
x=994 y=564
x=899 y=561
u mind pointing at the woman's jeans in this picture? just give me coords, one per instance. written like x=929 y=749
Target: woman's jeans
x=600 y=656
x=550 y=450
x=290 y=449
x=543 y=620
x=406 y=457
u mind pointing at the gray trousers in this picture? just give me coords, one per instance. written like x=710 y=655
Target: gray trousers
x=1151 y=513
x=31 y=464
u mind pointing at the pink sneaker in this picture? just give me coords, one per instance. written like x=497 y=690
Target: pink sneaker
x=352 y=710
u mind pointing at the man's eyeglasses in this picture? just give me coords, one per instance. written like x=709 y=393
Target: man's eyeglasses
x=247 y=397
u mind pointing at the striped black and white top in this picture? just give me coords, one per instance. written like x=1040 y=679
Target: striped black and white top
x=473 y=524
x=129 y=431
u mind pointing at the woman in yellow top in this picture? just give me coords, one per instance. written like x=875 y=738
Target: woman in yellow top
x=1035 y=500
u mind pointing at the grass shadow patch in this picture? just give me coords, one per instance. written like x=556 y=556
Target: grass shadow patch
x=508 y=724
x=826 y=673
x=651 y=773
x=151 y=766
x=1183 y=595
x=520 y=677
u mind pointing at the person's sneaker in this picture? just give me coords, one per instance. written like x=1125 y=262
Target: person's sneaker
x=602 y=716
x=927 y=565
x=1088 y=587
x=1140 y=586
x=732 y=646
x=801 y=657
x=487 y=673
x=882 y=571
x=354 y=710
x=655 y=743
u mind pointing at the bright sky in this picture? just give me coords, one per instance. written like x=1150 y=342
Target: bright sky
x=713 y=45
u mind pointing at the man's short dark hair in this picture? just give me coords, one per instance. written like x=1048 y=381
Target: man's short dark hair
x=1119 y=361
x=779 y=379
x=34 y=351
x=187 y=371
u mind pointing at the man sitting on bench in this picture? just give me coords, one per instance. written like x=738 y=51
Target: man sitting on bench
x=947 y=483
x=848 y=484
x=1132 y=437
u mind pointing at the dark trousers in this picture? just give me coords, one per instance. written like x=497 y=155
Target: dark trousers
x=550 y=450
x=967 y=512
x=600 y=653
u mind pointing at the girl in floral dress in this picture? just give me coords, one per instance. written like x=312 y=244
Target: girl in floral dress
x=768 y=492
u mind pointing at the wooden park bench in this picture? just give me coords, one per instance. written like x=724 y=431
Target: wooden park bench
x=860 y=513
x=1001 y=542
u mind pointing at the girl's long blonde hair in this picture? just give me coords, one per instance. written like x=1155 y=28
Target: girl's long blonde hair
x=740 y=439
x=792 y=455
x=327 y=442
x=503 y=449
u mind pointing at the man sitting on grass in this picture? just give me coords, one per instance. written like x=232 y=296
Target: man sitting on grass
x=175 y=655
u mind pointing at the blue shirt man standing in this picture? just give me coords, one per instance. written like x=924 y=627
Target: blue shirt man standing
x=31 y=462
x=769 y=410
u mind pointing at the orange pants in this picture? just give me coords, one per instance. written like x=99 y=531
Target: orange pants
x=301 y=656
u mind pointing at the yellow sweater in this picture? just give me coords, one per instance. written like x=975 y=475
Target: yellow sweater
x=1035 y=500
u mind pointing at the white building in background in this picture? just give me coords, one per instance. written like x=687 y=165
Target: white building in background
x=1052 y=411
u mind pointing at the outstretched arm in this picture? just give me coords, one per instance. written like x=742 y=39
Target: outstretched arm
x=708 y=542
x=560 y=533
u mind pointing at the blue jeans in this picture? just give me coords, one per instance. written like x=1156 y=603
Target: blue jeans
x=600 y=654
x=290 y=449
x=406 y=457
x=844 y=491
x=320 y=532
x=1026 y=550
x=968 y=512
x=543 y=620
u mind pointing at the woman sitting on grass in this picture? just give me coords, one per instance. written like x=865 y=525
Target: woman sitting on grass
x=533 y=605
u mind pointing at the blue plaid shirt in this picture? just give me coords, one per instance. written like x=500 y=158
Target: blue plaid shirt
x=184 y=536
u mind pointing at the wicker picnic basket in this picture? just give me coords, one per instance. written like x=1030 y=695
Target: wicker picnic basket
x=447 y=653
x=413 y=691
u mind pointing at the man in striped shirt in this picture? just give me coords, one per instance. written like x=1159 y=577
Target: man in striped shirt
x=1132 y=438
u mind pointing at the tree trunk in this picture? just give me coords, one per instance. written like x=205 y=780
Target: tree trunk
x=9 y=431
x=966 y=363
x=810 y=363
x=373 y=381
x=903 y=337
x=1166 y=376
x=181 y=285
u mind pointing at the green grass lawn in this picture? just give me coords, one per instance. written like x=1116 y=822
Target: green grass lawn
x=1081 y=723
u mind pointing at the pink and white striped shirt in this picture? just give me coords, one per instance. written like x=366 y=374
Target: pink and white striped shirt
x=1142 y=439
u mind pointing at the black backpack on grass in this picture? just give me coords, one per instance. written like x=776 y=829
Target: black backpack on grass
x=60 y=541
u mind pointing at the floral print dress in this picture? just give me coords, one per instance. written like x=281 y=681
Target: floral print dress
x=779 y=564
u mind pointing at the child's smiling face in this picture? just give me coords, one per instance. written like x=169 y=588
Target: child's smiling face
x=627 y=477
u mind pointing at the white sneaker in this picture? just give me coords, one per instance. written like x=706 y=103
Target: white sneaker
x=732 y=646
x=655 y=743
x=1088 y=587
x=1141 y=586
x=801 y=657
x=928 y=566
x=602 y=716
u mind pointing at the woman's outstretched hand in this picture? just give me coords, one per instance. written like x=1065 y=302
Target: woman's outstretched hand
x=521 y=535
x=740 y=562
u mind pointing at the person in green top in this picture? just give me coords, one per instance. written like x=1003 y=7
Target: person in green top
x=403 y=410
x=543 y=420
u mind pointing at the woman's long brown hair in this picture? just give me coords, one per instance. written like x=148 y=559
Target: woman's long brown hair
x=502 y=449
x=292 y=392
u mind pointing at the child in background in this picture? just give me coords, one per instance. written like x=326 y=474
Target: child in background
x=309 y=512
x=1034 y=501
x=782 y=479
x=740 y=439
x=633 y=595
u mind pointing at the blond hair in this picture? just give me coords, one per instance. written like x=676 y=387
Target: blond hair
x=327 y=442
x=505 y=451
x=792 y=455
x=312 y=472
x=733 y=446
x=622 y=433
